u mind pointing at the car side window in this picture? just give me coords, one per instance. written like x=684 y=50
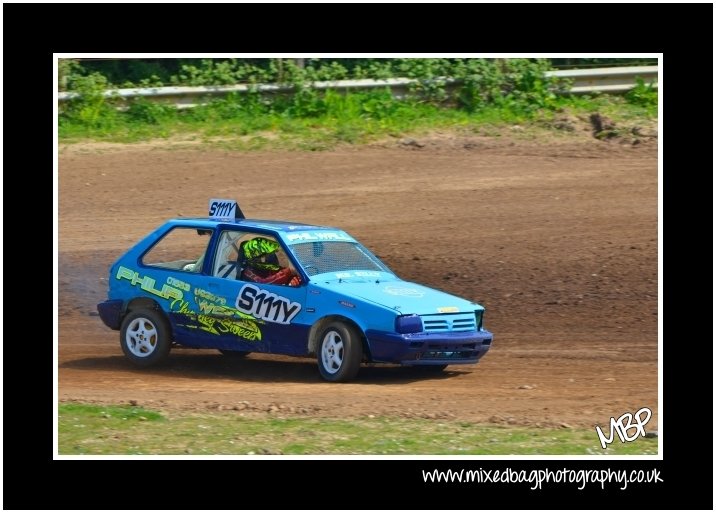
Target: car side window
x=253 y=257
x=181 y=248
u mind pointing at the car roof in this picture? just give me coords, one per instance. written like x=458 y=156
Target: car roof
x=281 y=226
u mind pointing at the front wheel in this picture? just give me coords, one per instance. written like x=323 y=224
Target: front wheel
x=145 y=337
x=340 y=352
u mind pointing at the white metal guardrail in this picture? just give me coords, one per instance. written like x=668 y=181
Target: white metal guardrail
x=607 y=80
x=597 y=80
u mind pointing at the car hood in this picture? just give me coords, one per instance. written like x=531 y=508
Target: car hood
x=403 y=296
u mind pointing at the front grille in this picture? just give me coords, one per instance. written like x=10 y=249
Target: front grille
x=435 y=325
x=441 y=323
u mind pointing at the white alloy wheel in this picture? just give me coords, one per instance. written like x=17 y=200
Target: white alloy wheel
x=332 y=352
x=339 y=352
x=141 y=337
x=145 y=337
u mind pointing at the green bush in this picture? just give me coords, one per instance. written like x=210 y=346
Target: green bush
x=643 y=95
x=518 y=85
x=447 y=91
x=90 y=107
x=143 y=111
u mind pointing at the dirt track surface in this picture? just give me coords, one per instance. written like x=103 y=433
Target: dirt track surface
x=558 y=242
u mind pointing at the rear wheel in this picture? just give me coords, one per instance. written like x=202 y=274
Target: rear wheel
x=340 y=352
x=145 y=337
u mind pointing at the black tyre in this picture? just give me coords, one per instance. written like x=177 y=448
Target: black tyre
x=145 y=337
x=340 y=351
x=236 y=355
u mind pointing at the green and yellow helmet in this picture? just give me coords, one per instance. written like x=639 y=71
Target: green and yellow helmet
x=260 y=253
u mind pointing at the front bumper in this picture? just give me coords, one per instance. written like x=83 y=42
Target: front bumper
x=450 y=348
x=110 y=312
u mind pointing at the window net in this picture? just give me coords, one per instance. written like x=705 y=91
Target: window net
x=328 y=257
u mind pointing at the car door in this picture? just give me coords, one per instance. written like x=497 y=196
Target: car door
x=251 y=316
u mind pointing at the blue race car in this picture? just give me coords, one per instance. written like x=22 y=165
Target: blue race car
x=244 y=285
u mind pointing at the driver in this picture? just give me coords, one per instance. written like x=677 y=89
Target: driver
x=260 y=263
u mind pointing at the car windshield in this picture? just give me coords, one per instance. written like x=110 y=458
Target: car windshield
x=334 y=256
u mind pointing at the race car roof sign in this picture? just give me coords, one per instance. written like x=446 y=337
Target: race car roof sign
x=224 y=209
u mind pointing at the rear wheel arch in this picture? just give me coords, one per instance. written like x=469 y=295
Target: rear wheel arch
x=141 y=302
x=145 y=303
